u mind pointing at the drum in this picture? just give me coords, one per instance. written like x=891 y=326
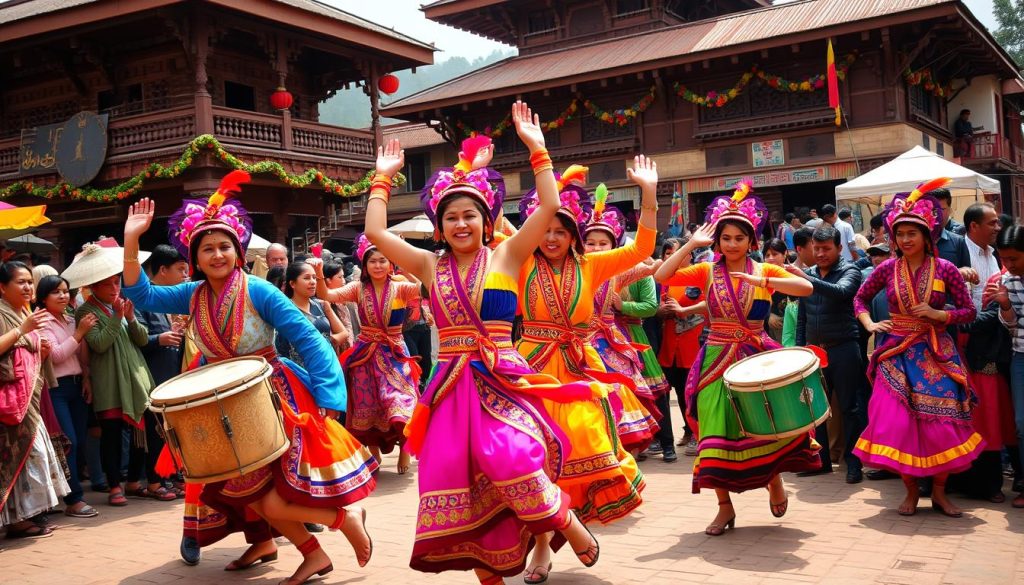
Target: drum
x=778 y=393
x=222 y=420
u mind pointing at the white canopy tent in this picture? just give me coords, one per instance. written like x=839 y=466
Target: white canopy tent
x=902 y=174
x=257 y=247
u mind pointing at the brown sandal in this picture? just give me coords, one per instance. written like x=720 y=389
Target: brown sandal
x=719 y=529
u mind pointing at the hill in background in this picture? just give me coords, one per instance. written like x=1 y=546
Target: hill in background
x=351 y=107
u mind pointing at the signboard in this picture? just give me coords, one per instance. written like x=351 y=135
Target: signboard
x=780 y=177
x=768 y=153
x=76 y=149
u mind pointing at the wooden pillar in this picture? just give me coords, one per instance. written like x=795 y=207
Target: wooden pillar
x=281 y=68
x=371 y=90
x=203 y=99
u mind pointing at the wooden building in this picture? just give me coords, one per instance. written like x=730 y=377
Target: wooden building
x=725 y=89
x=157 y=74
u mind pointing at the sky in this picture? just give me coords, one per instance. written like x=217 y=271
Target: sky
x=405 y=17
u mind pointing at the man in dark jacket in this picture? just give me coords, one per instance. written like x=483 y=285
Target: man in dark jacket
x=826 y=319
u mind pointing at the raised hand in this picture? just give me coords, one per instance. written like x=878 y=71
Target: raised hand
x=318 y=266
x=527 y=126
x=483 y=157
x=390 y=158
x=644 y=172
x=87 y=322
x=140 y=217
x=704 y=236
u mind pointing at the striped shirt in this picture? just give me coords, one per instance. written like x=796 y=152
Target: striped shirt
x=1015 y=287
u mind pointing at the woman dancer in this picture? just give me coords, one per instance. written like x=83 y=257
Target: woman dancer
x=301 y=286
x=558 y=282
x=31 y=479
x=738 y=293
x=488 y=453
x=382 y=377
x=325 y=470
x=919 y=415
x=636 y=415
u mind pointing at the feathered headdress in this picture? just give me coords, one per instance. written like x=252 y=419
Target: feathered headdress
x=605 y=217
x=917 y=207
x=218 y=212
x=363 y=247
x=485 y=185
x=742 y=206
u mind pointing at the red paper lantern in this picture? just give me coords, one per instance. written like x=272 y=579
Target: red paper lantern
x=281 y=99
x=388 y=84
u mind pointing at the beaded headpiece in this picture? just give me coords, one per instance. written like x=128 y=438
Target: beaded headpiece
x=742 y=206
x=216 y=213
x=917 y=207
x=485 y=185
x=575 y=201
x=363 y=247
x=606 y=217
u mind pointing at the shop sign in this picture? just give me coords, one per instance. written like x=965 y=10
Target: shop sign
x=769 y=153
x=76 y=149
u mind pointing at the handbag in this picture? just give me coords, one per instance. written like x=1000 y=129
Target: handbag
x=15 y=395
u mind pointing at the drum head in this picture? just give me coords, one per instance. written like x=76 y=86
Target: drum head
x=203 y=381
x=770 y=367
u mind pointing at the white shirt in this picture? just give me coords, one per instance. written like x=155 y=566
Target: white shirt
x=983 y=261
x=813 y=223
x=846 y=235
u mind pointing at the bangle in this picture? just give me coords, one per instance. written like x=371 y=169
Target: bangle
x=382 y=178
x=134 y=260
x=649 y=207
x=540 y=161
x=379 y=194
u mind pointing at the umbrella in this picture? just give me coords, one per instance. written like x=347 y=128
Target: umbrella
x=419 y=228
x=18 y=221
x=30 y=243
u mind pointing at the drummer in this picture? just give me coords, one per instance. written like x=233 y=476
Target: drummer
x=325 y=471
x=738 y=292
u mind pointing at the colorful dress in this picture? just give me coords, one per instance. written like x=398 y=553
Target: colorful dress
x=640 y=301
x=600 y=476
x=489 y=454
x=325 y=467
x=382 y=377
x=636 y=415
x=726 y=459
x=919 y=415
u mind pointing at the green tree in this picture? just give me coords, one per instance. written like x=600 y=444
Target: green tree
x=1010 y=34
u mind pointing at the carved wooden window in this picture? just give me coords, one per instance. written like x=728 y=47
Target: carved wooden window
x=540 y=22
x=595 y=130
x=924 y=104
x=631 y=7
x=415 y=171
x=239 y=96
x=760 y=100
x=527 y=181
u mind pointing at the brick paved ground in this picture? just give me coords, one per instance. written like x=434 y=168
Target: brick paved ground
x=833 y=533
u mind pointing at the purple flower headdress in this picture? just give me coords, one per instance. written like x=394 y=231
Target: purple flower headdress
x=485 y=185
x=917 y=207
x=363 y=247
x=216 y=213
x=606 y=217
x=741 y=206
x=575 y=201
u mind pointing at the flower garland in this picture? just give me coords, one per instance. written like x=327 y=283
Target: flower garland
x=719 y=99
x=567 y=114
x=622 y=116
x=207 y=142
x=926 y=78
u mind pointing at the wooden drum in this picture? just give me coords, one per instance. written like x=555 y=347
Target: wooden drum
x=222 y=420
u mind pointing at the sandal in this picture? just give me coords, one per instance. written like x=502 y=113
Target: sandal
x=306 y=549
x=1018 y=502
x=86 y=511
x=592 y=551
x=117 y=499
x=538 y=577
x=162 y=494
x=34 y=531
x=714 y=529
x=779 y=510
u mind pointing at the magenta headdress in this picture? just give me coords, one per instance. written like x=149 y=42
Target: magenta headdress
x=742 y=206
x=363 y=247
x=216 y=213
x=606 y=217
x=917 y=207
x=575 y=201
x=485 y=185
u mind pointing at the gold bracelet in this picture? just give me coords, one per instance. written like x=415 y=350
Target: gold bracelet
x=377 y=195
x=649 y=207
x=540 y=169
x=134 y=260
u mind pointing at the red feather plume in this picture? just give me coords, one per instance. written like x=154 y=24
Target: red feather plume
x=232 y=183
x=928 y=186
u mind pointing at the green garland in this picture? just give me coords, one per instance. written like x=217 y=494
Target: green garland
x=158 y=171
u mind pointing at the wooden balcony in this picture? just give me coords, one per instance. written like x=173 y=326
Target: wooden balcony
x=991 y=149
x=174 y=128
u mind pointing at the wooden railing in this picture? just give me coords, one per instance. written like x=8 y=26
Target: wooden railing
x=9 y=155
x=240 y=127
x=148 y=131
x=317 y=138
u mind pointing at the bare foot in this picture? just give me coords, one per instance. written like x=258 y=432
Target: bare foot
x=942 y=504
x=403 y=462
x=265 y=552
x=909 y=505
x=375 y=451
x=354 y=529
x=315 y=563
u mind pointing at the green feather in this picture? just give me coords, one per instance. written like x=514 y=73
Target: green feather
x=600 y=197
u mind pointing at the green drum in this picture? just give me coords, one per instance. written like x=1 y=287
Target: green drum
x=778 y=393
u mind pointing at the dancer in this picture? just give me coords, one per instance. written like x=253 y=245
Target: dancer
x=738 y=292
x=558 y=282
x=382 y=377
x=325 y=470
x=919 y=414
x=488 y=452
x=636 y=416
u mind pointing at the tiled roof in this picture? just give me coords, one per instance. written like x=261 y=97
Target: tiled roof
x=681 y=43
x=413 y=135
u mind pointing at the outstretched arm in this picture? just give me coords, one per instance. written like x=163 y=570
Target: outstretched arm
x=390 y=160
x=511 y=254
x=140 y=217
x=703 y=237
